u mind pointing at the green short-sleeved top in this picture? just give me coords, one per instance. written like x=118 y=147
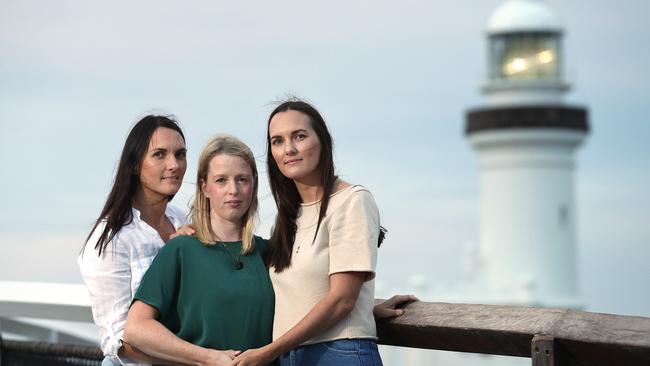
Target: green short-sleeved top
x=204 y=300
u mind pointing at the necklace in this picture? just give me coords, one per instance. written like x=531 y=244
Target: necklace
x=238 y=263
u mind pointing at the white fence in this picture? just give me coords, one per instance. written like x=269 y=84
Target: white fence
x=55 y=312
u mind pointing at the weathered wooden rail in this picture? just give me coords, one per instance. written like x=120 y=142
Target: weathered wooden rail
x=550 y=337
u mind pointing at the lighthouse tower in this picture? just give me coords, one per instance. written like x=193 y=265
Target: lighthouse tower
x=526 y=138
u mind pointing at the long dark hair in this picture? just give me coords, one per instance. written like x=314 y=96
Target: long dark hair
x=117 y=209
x=287 y=198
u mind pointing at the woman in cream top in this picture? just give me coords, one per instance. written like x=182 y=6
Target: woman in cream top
x=345 y=242
x=322 y=252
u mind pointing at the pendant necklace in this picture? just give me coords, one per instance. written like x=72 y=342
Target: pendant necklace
x=238 y=263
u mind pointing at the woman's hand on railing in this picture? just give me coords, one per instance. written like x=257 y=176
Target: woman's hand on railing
x=393 y=307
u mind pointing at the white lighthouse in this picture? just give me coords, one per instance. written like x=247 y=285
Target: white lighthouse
x=526 y=139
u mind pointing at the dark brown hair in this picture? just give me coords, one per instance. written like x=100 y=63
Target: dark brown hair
x=117 y=209
x=287 y=198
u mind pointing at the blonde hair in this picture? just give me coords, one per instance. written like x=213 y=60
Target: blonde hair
x=200 y=212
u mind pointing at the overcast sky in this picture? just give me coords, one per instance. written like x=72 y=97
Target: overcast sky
x=392 y=78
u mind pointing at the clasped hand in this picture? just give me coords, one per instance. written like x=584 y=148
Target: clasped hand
x=253 y=357
x=220 y=358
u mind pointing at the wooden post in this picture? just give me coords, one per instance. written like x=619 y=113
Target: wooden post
x=543 y=351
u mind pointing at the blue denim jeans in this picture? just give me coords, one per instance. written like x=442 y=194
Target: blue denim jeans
x=345 y=352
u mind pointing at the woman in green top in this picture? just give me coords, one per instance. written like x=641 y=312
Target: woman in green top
x=207 y=295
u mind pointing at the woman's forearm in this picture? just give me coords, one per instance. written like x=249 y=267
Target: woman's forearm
x=133 y=353
x=323 y=316
x=338 y=303
x=154 y=339
x=144 y=332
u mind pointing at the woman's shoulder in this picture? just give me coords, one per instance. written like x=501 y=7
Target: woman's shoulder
x=348 y=192
x=94 y=235
x=358 y=189
x=177 y=214
x=261 y=243
x=353 y=201
x=182 y=243
x=113 y=245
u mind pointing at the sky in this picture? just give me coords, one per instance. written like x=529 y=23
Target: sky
x=393 y=79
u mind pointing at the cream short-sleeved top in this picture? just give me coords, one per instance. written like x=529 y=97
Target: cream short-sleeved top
x=346 y=242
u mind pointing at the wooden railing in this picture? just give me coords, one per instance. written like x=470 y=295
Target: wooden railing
x=550 y=337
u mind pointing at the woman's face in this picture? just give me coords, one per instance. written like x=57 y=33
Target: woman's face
x=163 y=166
x=295 y=146
x=229 y=187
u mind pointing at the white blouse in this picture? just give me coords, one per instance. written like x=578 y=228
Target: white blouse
x=113 y=278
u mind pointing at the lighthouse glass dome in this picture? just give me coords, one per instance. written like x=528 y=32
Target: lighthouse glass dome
x=524 y=56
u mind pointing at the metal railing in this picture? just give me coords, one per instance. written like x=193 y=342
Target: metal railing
x=20 y=353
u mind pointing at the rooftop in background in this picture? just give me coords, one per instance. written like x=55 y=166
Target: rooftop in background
x=523 y=15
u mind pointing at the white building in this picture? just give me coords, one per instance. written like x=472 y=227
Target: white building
x=526 y=138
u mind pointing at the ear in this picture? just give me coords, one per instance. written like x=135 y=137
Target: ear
x=203 y=186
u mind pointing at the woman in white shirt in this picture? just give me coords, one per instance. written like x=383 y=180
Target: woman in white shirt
x=134 y=224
